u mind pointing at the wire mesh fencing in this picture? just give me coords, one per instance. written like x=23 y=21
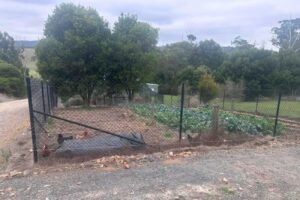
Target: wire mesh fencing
x=42 y=101
x=114 y=123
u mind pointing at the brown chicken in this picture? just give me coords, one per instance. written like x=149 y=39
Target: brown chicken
x=83 y=136
x=45 y=151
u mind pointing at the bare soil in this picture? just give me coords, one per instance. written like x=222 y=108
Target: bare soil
x=118 y=120
x=266 y=172
x=15 y=136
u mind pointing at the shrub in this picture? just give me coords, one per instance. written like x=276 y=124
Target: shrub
x=11 y=80
x=74 y=101
x=207 y=88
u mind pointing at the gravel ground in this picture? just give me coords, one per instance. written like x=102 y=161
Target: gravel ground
x=260 y=173
x=14 y=119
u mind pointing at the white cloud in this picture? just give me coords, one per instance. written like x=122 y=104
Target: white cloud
x=221 y=20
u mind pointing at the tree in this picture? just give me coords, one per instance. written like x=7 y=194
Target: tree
x=74 y=53
x=11 y=80
x=173 y=59
x=287 y=75
x=241 y=44
x=287 y=35
x=191 y=37
x=131 y=61
x=287 y=38
x=208 y=53
x=192 y=75
x=8 y=52
x=255 y=67
x=207 y=88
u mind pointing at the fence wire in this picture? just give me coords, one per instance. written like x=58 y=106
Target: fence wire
x=115 y=123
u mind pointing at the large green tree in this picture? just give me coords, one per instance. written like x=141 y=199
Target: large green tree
x=174 y=58
x=192 y=76
x=255 y=67
x=208 y=53
x=73 y=54
x=132 y=56
x=287 y=39
x=287 y=35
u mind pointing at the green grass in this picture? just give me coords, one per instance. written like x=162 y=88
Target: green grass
x=289 y=109
x=171 y=100
x=227 y=191
x=29 y=61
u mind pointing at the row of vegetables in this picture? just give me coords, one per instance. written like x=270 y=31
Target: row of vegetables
x=200 y=119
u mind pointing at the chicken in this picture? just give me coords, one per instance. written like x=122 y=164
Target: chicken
x=83 y=136
x=61 y=138
x=45 y=151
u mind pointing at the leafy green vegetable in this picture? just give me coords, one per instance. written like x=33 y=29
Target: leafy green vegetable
x=197 y=120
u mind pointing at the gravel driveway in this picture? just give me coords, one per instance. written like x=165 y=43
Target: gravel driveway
x=261 y=173
x=14 y=120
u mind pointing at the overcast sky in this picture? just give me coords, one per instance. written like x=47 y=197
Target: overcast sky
x=221 y=20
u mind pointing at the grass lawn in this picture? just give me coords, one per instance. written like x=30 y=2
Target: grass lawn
x=289 y=109
x=171 y=100
x=30 y=62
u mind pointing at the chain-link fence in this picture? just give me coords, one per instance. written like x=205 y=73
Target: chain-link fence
x=42 y=101
x=151 y=120
x=282 y=106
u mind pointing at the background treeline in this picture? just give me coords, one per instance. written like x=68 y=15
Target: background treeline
x=82 y=54
x=11 y=71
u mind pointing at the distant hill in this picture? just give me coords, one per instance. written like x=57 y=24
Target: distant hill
x=26 y=43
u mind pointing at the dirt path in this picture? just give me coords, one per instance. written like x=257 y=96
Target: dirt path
x=13 y=121
x=261 y=173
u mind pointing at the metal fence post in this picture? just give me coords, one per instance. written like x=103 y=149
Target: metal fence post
x=181 y=112
x=31 y=115
x=43 y=97
x=224 y=93
x=256 y=105
x=48 y=97
x=277 y=113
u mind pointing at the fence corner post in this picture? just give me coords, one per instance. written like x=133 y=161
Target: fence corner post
x=48 y=99
x=277 y=113
x=31 y=116
x=43 y=97
x=215 y=120
x=181 y=112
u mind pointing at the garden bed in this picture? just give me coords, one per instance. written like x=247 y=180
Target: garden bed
x=199 y=120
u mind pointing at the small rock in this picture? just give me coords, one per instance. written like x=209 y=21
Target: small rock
x=171 y=153
x=125 y=115
x=47 y=185
x=9 y=189
x=26 y=172
x=4 y=176
x=225 y=180
x=12 y=194
x=126 y=166
x=15 y=173
x=101 y=166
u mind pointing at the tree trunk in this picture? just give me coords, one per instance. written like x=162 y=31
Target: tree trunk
x=130 y=94
x=86 y=99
